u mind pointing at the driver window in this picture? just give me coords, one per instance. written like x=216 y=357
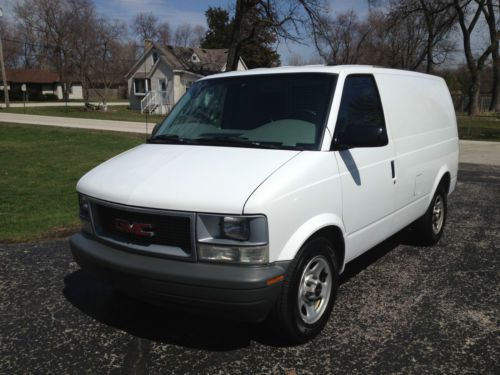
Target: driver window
x=360 y=106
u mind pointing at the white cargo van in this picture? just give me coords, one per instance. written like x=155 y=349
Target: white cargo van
x=252 y=195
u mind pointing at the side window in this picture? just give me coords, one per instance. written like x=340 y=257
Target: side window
x=360 y=106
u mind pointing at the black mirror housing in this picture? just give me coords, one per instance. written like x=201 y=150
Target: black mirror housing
x=362 y=136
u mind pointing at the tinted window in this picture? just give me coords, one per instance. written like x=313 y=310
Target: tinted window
x=360 y=105
x=278 y=110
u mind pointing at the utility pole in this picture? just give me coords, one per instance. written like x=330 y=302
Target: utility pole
x=2 y=64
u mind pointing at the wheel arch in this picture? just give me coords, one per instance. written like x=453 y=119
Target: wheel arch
x=442 y=177
x=326 y=225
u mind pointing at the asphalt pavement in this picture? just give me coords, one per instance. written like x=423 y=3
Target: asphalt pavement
x=401 y=309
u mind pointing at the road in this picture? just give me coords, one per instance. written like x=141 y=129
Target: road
x=58 y=104
x=401 y=309
x=476 y=152
x=77 y=123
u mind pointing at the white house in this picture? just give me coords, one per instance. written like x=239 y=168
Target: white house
x=164 y=73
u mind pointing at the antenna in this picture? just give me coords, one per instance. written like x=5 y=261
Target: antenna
x=146 y=89
x=146 y=125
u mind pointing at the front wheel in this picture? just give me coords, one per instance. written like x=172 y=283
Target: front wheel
x=308 y=292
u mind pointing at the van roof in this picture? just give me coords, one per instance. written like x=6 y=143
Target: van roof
x=335 y=69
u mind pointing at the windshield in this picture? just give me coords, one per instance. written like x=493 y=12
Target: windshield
x=285 y=111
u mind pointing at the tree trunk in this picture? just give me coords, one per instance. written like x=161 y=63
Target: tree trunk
x=430 y=44
x=430 y=61
x=490 y=15
x=495 y=90
x=4 y=78
x=233 y=53
x=474 y=91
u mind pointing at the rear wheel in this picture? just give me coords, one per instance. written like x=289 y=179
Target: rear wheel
x=308 y=292
x=430 y=227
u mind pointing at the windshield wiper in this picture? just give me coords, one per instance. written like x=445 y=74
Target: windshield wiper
x=221 y=140
x=231 y=140
x=170 y=138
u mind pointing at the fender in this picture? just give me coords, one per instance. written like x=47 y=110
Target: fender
x=442 y=171
x=310 y=227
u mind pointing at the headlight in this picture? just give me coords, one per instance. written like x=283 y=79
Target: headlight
x=236 y=239
x=85 y=220
x=236 y=228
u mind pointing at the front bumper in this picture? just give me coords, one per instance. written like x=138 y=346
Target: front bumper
x=237 y=292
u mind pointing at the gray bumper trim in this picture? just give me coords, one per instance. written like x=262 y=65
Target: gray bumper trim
x=223 y=287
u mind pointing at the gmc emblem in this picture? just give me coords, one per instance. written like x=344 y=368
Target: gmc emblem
x=138 y=229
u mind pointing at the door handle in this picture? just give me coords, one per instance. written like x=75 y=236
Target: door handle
x=393 y=171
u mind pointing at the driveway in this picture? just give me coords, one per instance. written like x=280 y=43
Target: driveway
x=401 y=309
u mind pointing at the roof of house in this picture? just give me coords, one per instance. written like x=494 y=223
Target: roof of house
x=31 y=76
x=209 y=61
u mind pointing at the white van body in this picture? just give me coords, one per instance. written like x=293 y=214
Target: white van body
x=363 y=194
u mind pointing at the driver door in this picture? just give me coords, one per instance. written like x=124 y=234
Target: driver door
x=366 y=173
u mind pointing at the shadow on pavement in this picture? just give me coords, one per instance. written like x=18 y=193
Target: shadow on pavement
x=404 y=237
x=96 y=298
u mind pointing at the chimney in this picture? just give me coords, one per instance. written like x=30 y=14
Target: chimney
x=148 y=43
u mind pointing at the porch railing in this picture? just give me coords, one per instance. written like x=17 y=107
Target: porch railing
x=155 y=100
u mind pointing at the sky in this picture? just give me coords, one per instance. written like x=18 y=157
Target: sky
x=178 y=12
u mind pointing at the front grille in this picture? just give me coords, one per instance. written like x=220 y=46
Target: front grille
x=169 y=230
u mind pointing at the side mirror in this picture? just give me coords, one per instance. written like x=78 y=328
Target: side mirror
x=360 y=136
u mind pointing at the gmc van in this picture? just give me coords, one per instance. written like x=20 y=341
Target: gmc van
x=255 y=191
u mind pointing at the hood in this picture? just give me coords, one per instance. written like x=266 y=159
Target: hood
x=183 y=177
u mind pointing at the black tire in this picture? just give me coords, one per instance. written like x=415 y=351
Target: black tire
x=287 y=315
x=426 y=232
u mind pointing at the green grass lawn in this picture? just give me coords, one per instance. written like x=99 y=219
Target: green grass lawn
x=39 y=168
x=115 y=112
x=485 y=127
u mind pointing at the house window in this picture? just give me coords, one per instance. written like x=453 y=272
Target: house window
x=163 y=84
x=155 y=57
x=141 y=86
x=195 y=58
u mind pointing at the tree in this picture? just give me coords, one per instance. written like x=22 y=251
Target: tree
x=71 y=37
x=12 y=49
x=218 y=34
x=494 y=33
x=257 y=51
x=405 y=41
x=112 y=58
x=341 y=40
x=57 y=25
x=164 y=34
x=437 y=18
x=145 y=26
x=284 y=20
x=468 y=13
x=187 y=35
